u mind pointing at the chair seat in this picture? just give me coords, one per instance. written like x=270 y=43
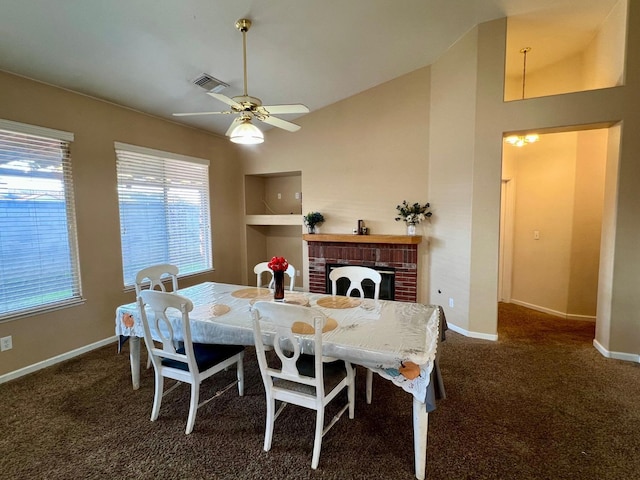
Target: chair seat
x=306 y=367
x=333 y=374
x=207 y=355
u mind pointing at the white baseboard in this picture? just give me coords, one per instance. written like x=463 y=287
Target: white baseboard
x=555 y=313
x=627 y=357
x=466 y=333
x=57 y=359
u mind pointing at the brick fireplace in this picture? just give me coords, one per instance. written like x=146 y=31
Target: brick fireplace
x=399 y=252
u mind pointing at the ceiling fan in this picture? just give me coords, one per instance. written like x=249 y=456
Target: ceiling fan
x=241 y=129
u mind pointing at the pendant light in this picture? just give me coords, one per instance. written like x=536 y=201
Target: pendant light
x=522 y=140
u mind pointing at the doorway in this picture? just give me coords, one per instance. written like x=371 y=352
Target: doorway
x=551 y=224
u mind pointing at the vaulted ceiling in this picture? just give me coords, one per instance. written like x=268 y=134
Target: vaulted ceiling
x=145 y=54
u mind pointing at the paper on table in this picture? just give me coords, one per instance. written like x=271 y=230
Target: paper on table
x=338 y=302
x=302 y=328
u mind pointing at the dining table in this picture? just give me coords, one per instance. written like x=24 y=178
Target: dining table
x=397 y=340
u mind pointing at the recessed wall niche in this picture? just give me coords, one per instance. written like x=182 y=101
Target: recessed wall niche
x=273 y=220
x=273 y=194
x=569 y=51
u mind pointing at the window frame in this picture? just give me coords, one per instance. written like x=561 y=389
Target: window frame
x=122 y=152
x=76 y=298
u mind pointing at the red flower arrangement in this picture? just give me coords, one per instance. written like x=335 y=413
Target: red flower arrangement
x=278 y=264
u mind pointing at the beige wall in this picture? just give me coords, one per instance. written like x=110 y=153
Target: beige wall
x=591 y=161
x=604 y=57
x=453 y=100
x=359 y=158
x=96 y=125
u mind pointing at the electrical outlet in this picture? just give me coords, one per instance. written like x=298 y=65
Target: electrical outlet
x=279 y=196
x=297 y=273
x=451 y=302
x=6 y=343
x=297 y=195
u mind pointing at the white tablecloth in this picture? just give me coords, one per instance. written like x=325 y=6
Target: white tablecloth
x=379 y=334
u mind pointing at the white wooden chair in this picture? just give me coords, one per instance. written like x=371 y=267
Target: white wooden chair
x=356 y=274
x=300 y=379
x=193 y=362
x=263 y=267
x=153 y=277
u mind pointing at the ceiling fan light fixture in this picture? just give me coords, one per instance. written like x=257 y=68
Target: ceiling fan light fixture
x=246 y=133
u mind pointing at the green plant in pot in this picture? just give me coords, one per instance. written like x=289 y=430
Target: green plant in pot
x=312 y=219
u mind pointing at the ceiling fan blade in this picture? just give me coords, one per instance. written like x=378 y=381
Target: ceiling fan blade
x=278 y=122
x=223 y=98
x=233 y=125
x=201 y=113
x=282 y=109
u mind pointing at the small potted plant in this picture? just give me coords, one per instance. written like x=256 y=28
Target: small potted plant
x=312 y=219
x=412 y=215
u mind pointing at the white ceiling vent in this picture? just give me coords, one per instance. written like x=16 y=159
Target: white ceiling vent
x=209 y=83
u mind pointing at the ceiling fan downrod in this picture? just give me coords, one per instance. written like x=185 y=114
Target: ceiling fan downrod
x=243 y=25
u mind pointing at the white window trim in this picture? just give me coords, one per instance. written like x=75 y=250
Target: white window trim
x=35 y=130
x=159 y=153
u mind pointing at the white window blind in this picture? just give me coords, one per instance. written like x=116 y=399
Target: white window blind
x=39 y=267
x=164 y=211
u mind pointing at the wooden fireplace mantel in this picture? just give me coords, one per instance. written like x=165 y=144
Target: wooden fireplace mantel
x=352 y=238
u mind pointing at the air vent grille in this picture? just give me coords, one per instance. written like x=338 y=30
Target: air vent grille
x=210 y=83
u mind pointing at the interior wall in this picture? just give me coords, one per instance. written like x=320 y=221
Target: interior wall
x=284 y=240
x=604 y=56
x=280 y=195
x=565 y=76
x=453 y=100
x=608 y=239
x=359 y=159
x=96 y=125
x=591 y=160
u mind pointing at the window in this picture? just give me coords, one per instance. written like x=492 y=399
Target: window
x=164 y=210
x=38 y=242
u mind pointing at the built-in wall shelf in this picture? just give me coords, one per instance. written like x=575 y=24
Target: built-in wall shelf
x=352 y=238
x=295 y=219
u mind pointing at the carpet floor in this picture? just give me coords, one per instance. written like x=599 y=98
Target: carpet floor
x=540 y=403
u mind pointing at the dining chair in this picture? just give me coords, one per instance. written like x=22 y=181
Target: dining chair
x=263 y=267
x=153 y=277
x=192 y=362
x=298 y=378
x=356 y=275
